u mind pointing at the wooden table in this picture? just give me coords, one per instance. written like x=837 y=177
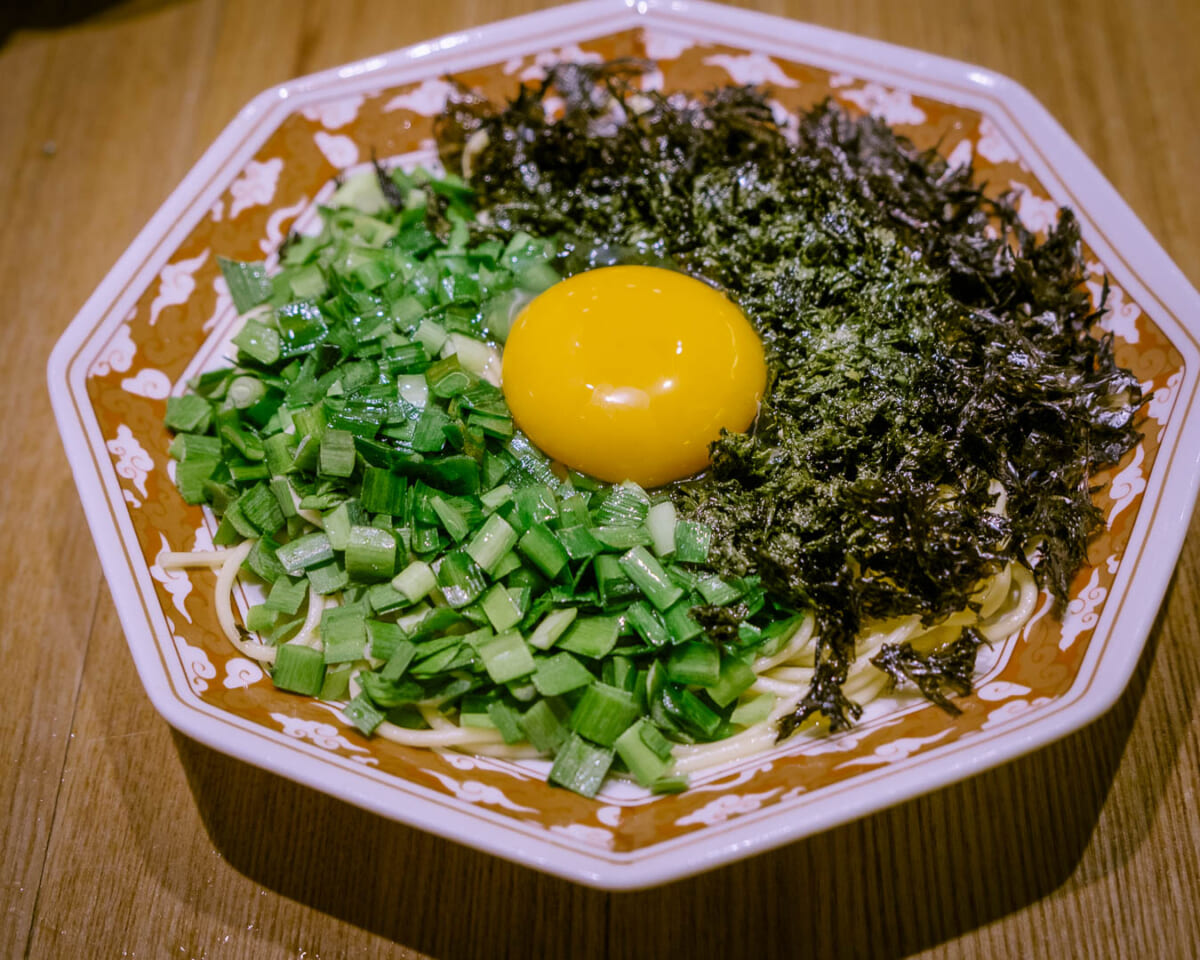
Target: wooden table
x=122 y=839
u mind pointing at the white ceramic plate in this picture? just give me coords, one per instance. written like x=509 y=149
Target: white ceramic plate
x=163 y=308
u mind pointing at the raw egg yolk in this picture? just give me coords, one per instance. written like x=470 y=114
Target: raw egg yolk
x=630 y=372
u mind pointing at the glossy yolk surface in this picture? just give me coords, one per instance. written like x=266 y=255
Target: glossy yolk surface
x=630 y=372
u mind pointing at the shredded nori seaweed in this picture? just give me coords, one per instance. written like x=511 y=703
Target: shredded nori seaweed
x=937 y=400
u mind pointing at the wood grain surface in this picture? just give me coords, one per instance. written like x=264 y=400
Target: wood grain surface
x=122 y=839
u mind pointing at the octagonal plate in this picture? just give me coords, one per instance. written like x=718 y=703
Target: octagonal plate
x=164 y=311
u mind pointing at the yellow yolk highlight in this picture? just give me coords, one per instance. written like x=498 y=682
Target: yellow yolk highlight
x=630 y=372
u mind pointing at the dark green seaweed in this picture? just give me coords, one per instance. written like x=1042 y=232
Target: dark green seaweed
x=926 y=350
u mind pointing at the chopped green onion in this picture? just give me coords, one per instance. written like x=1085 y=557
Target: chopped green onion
x=660 y=524
x=647 y=622
x=248 y=283
x=460 y=578
x=552 y=626
x=736 y=677
x=603 y=713
x=415 y=581
x=695 y=664
x=580 y=766
x=299 y=669
x=692 y=540
x=591 y=636
x=287 y=596
x=648 y=576
x=363 y=714
x=491 y=542
x=305 y=552
x=680 y=624
x=337 y=454
x=544 y=727
x=370 y=554
x=543 y=549
x=559 y=674
x=501 y=609
x=506 y=657
x=344 y=633
x=753 y=711
x=645 y=764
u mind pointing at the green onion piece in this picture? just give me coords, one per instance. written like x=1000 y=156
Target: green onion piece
x=680 y=624
x=363 y=714
x=580 y=766
x=454 y=520
x=660 y=524
x=502 y=611
x=491 y=542
x=676 y=783
x=370 y=554
x=188 y=414
x=304 y=553
x=573 y=511
x=399 y=661
x=541 y=547
x=337 y=682
x=248 y=283
x=648 y=576
x=652 y=737
x=328 y=578
x=647 y=622
x=736 y=678
x=384 y=638
x=626 y=505
x=622 y=537
x=506 y=565
x=344 y=633
x=243 y=393
x=505 y=657
x=619 y=671
x=506 y=719
x=337 y=454
x=611 y=580
x=460 y=578
x=258 y=341
x=429 y=436
x=299 y=669
x=695 y=713
x=552 y=626
x=287 y=596
x=644 y=763
x=543 y=727
x=496 y=497
x=415 y=581
x=190 y=477
x=591 y=636
x=339 y=520
x=717 y=591
x=692 y=540
x=282 y=490
x=560 y=673
x=536 y=503
x=262 y=561
x=383 y=492
x=603 y=713
x=260 y=618
x=447 y=378
x=695 y=664
x=753 y=711
x=578 y=541
x=384 y=598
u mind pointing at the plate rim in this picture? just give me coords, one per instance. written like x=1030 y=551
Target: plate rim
x=1171 y=484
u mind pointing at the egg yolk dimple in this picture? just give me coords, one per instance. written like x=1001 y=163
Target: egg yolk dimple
x=630 y=372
